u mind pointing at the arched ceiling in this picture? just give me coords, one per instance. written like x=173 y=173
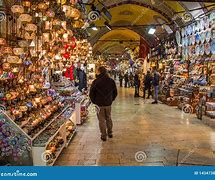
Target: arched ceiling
x=137 y=16
x=115 y=41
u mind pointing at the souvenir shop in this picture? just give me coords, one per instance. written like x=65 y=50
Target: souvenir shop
x=44 y=55
x=186 y=62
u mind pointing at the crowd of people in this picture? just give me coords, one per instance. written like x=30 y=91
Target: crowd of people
x=149 y=84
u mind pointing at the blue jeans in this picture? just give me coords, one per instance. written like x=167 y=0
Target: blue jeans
x=156 y=90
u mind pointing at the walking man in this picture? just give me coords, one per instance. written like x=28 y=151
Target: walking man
x=102 y=93
x=155 y=82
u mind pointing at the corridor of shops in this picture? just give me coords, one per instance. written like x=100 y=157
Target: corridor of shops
x=163 y=134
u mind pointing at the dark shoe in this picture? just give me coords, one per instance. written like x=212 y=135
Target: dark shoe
x=155 y=102
x=110 y=136
x=103 y=139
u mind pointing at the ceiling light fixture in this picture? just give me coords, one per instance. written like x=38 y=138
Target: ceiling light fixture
x=151 y=31
x=94 y=28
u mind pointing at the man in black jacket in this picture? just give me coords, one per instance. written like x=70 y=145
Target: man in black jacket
x=147 y=85
x=102 y=93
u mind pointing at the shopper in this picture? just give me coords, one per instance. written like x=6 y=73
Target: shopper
x=155 y=82
x=102 y=93
x=120 y=78
x=136 y=84
x=126 y=79
x=131 y=80
x=147 y=85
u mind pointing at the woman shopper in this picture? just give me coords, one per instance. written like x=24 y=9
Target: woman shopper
x=126 y=79
x=102 y=93
x=147 y=85
x=136 y=84
x=120 y=78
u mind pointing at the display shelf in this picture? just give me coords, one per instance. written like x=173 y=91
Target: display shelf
x=57 y=155
x=49 y=123
x=210 y=104
x=71 y=137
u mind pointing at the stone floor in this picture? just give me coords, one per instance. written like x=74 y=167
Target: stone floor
x=144 y=135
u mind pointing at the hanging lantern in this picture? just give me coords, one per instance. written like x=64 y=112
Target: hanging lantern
x=2 y=42
x=63 y=24
x=73 y=45
x=61 y=1
x=25 y=18
x=48 y=25
x=23 y=43
x=50 y=13
x=46 y=37
x=66 y=46
x=73 y=39
x=29 y=36
x=7 y=50
x=66 y=55
x=65 y=37
x=17 y=9
x=14 y=60
x=34 y=7
x=18 y=51
x=42 y=6
x=73 y=2
x=75 y=13
x=31 y=27
x=26 y=4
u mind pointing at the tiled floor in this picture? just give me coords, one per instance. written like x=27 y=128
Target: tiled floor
x=164 y=135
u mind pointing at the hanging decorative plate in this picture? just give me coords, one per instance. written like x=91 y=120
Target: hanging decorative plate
x=207 y=22
x=197 y=24
x=203 y=37
x=213 y=33
x=189 y=40
x=186 y=41
x=183 y=52
x=182 y=32
x=202 y=24
x=189 y=30
x=183 y=42
x=193 y=40
x=212 y=17
x=178 y=38
x=208 y=35
x=197 y=50
x=202 y=49
x=194 y=28
x=186 y=51
x=207 y=48
x=197 y=36
x=213 y=47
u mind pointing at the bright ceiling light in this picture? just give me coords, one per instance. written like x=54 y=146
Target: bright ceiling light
x=94 y=28
x=152 y=31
